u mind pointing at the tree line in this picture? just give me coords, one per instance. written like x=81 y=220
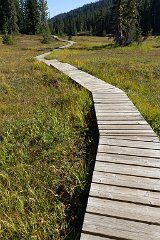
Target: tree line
x=123 y=18
x=128 y=20
x=92 y=18
x=24 y=16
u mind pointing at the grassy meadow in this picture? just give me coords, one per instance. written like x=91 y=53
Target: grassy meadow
x=135 y=69
x=45 y=146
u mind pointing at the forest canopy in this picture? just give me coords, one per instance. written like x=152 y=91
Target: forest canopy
x=99 y=18
x=24 y=16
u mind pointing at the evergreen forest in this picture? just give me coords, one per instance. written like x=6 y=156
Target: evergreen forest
x=105 y=16
x=23 y=16
x=128 y=20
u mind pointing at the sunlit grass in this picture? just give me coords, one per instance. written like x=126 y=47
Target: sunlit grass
x=45 y=123
x=135 y=69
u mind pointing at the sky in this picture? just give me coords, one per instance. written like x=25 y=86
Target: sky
x=61 y=6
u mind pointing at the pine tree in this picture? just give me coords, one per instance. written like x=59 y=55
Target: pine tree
x=146 y=16
x=21 y=16
x=44 y=20
x=32 y=17
x=125 y=20
x=118 y=24
x=10 y=20
x=156 y=17
x=1 y=15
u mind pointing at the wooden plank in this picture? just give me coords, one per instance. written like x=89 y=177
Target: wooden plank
x=126 y=106
x=117 y=114
x=97 y=96
x=141 y=152
x=103 y=94
x=127 y=109
x=137 y=182
x=116 y=111
x=124 y=127
x=106 y=92
x=124 y=210
x=119 y=118
x=129 y=160
x=127 y=132
x=109 y=97
x=120 y=228
x=134 y=138
x=125 y=194
x=127 y=170
x=112 y=101
x=122 y=122
x=92 y=237
x=129 y=143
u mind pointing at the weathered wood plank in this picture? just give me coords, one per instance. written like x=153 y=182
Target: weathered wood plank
x=127 y=132
x=112 y=101
x=104 y=95
x=127 y=169
x=125 y=106
x=119 y=118
x=124 y=127
x=104 y=90
x=124 y=210
x=141 y=138
x=117 y=114
x=92 y=237
x=122 y=122
x=119 y=228
x=116 y=179
x=125 y=194
x=123 y=111
x=110 y=97
x=129 y=160
x=141 y=152
x=129 y=143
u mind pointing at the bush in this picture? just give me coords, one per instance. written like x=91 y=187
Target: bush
x=7 y=39
x=46 y=39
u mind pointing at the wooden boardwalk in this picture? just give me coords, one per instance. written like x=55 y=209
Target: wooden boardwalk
x=124 y=198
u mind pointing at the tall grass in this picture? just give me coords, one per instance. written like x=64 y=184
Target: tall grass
x=134 y=69
x=45 y=146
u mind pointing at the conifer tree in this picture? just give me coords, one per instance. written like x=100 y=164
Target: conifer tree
x=32 y=17
x=146 y=16
x=125 y=20
x=156 y=17
x=1 y=15
x=10 y=20
x=21 y=16
x=44 y=20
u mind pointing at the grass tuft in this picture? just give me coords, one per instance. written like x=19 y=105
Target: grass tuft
x=45 y=143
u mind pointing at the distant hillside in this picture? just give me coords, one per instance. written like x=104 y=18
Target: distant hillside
x=96 y=19
x=92 y=18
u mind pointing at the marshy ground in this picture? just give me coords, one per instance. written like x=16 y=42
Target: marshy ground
x=135 y=69
x=45 y=144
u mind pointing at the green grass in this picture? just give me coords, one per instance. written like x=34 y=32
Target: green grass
x=134 y=69
x=45 y=146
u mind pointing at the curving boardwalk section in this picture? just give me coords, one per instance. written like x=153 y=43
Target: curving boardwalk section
x=124 y=198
